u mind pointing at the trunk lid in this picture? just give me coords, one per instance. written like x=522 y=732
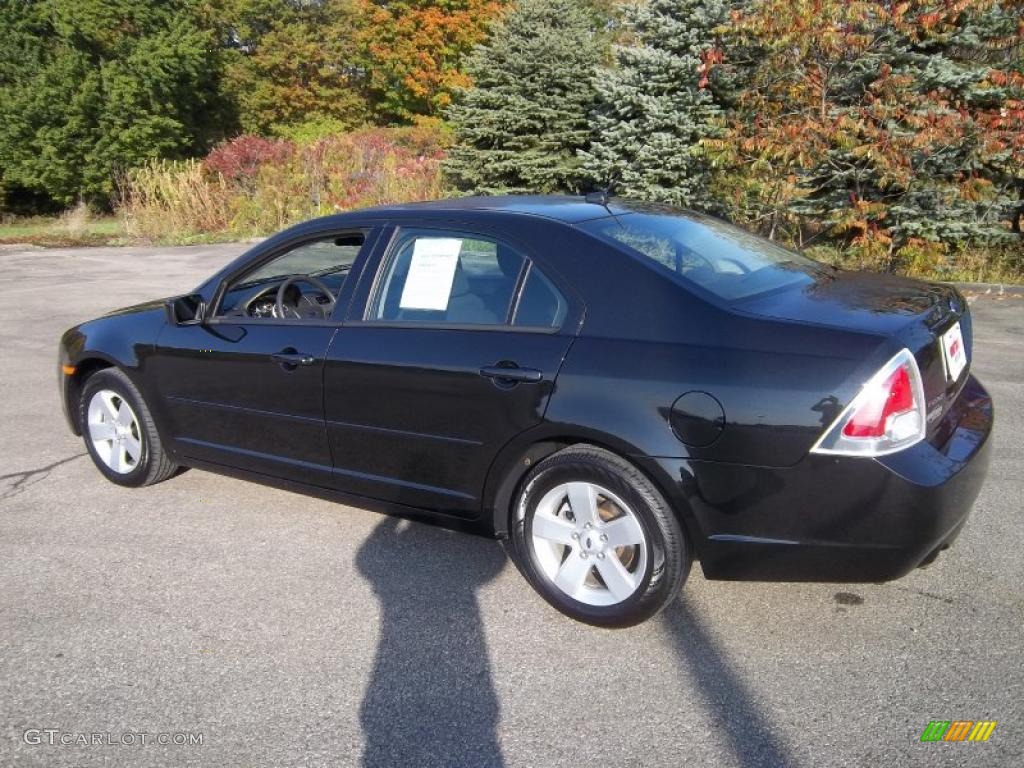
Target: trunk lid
x=915 y=313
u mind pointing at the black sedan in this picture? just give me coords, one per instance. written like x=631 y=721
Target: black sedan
x=615 y=388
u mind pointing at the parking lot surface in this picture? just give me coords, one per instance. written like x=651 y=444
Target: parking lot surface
x=284 y=630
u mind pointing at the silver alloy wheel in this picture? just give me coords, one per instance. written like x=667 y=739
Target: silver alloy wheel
x=589 y=543
x=114 y=431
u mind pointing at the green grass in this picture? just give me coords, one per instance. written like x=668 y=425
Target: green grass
x=64 y=231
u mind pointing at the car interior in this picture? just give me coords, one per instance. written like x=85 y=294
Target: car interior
x=485 y=278
x=302 y=283
x=305 y=282
x=483 y=290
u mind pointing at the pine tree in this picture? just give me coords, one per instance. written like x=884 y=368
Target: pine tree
x=933 y=154
x=518 y=128
x=897 y=129
x=105 y=85
x=655 y=106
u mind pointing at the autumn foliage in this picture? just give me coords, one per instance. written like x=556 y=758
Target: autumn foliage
x=887 y=133
x=895 y=128
x=417 y=49
x=254 y=186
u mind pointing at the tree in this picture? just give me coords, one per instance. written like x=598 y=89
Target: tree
x=520 y=125
x=292 y=63
x=897 y=128
x=416 y=50
x=655 y=107
x=106 y=84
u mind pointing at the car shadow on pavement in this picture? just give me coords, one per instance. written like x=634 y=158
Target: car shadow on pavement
x=430 y=700
x=752 y=739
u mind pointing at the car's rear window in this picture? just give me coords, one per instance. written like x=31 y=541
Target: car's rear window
x=723 y=259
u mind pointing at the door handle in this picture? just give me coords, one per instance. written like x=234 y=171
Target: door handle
x=511 y=374
x=290 y=358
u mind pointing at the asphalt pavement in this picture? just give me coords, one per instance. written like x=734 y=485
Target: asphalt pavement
x=283 y=630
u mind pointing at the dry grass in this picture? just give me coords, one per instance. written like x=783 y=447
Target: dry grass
x=998 y=264
x=166 y=200
x=183 y=201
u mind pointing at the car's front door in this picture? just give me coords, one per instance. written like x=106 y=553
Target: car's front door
x=245 y=388
x=453 y=352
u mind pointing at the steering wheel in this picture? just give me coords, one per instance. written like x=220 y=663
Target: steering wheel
x=281 y=307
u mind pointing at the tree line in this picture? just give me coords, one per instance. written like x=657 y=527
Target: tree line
x=92 y=87
x=893 y=128
x=896 y=128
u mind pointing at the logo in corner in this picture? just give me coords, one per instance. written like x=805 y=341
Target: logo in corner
x=958 y=730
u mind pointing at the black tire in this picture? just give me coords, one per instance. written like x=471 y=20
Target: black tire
x=154 y=465
x=668 y=555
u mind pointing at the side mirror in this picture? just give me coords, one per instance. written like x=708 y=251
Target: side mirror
x=186 y=310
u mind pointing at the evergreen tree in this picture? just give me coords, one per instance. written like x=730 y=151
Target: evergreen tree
x=897 y=129
x=655 y=106
x=929 y=156
x=106 y=85
x=518 y=128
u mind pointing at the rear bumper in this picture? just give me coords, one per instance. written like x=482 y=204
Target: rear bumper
x=837 y=518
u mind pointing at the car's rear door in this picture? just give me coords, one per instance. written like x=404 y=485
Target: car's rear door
x=247 y=391
x=452 y=349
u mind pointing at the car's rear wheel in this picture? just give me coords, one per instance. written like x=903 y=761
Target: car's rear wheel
x=119 y=431
x=597 y=539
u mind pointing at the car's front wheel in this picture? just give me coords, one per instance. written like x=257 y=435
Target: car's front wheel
x=597 y=539
x=119 y=431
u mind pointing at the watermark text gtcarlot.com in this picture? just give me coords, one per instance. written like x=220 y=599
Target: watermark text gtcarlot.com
x=57 y=737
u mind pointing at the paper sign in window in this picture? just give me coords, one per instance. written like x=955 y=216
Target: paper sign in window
x=431 y=273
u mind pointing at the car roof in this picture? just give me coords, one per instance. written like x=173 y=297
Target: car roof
x=565 y=208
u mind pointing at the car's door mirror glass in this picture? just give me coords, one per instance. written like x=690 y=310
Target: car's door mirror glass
x=186 y=310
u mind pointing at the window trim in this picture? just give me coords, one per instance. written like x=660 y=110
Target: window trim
x=397 y=240
x=368 y=246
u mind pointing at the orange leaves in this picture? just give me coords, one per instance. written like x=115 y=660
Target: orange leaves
x=976 y=189
x=708 y=60
x=856 y=109
x=417 y=49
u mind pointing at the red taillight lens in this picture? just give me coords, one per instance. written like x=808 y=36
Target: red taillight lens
x=894 y=396
x=887 y=415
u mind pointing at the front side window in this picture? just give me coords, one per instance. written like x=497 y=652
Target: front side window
x=312 y=275
x=723 y=259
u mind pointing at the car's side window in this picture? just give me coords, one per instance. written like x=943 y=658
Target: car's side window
x=540 y=304
x=312 y=274
x=448 y=278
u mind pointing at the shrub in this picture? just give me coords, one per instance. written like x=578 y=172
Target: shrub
x=239 y=159
x=253 y=186
x=165 y=200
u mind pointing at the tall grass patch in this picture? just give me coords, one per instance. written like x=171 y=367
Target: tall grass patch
x=252 y=186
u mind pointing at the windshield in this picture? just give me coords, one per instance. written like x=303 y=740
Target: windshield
x=723 y=259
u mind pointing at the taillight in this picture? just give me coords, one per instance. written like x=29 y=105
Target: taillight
x=887 y=415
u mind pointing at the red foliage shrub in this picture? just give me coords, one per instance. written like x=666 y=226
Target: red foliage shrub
x=240 y=158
